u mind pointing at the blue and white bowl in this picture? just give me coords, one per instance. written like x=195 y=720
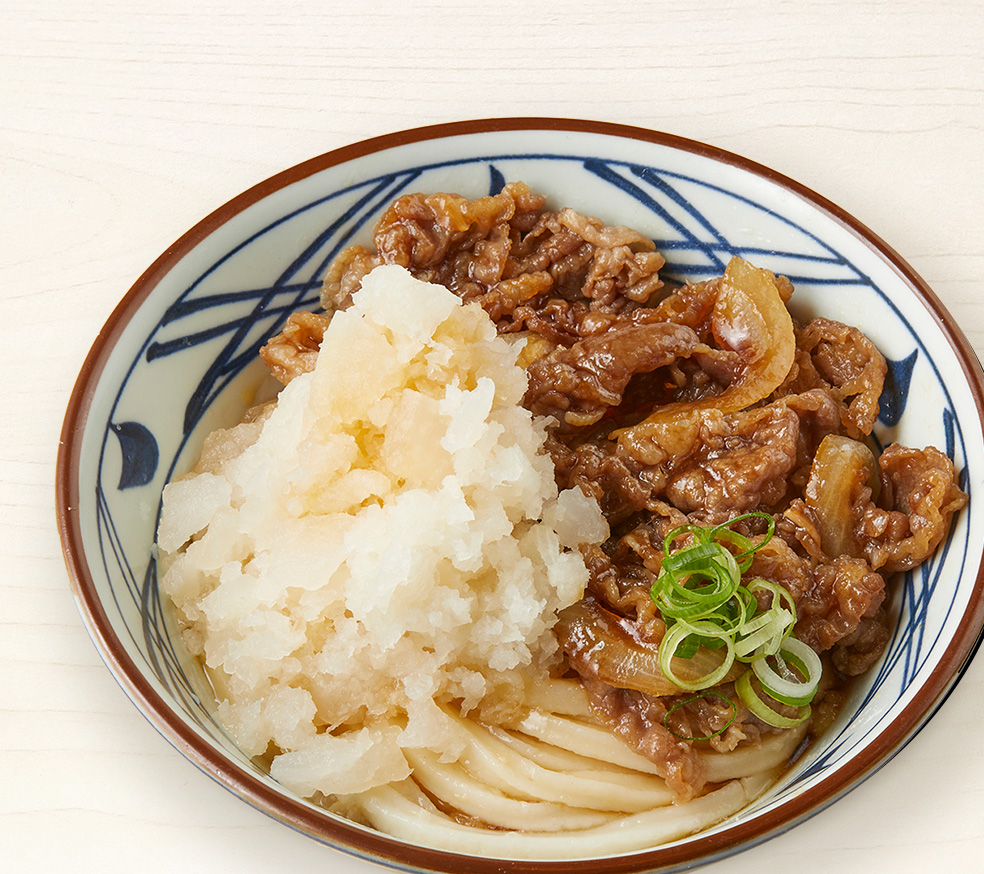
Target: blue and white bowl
x=178 y=358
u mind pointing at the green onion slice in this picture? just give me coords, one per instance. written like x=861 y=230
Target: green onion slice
x=697 y=579
x=764 y=635
x=681 y=634
x=784 y=685
x=704 y=602
x=724 y=532
x=752 y=700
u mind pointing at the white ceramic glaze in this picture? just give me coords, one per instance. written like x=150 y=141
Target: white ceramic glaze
x=178 y=359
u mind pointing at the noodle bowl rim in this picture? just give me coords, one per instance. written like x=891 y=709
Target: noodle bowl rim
x=364 y=842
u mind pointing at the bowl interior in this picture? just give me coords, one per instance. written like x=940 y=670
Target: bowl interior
x=179 y=359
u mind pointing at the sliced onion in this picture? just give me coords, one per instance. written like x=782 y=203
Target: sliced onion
x=749 y=317
x=603 y=644
x=842 y=470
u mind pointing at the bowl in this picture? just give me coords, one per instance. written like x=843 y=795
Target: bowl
x=178 y=358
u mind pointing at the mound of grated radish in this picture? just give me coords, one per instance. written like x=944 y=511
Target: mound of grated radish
x=387 y=538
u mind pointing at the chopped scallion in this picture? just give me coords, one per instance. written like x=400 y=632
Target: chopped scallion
x=705 y=603
x=754 y=702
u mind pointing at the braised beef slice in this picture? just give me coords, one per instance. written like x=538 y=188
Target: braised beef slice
x=637 y=719
x=841 y=360
x=920 y=491
x=295 y=349
x=530 y=269
x=579 y=384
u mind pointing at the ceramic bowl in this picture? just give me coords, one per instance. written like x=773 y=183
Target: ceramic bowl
x=178 y=358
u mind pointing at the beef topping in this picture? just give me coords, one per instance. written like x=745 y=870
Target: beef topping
x=676 y=405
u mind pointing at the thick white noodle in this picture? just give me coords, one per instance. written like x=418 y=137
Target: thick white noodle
x=455 y=786
x=589 y=784
x=771 y=752
x=563 y=697
x=548 y=755
x=583 y=739
x=558 y=785
x=389 y=811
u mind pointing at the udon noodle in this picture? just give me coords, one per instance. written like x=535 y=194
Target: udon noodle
x=537 y=555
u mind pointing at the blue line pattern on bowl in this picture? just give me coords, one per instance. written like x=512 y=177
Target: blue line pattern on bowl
x=224 y=323
x=139 y=452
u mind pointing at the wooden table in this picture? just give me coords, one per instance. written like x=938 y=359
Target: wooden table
x=120 y=128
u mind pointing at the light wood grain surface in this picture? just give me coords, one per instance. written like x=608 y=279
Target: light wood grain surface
x=122 y=124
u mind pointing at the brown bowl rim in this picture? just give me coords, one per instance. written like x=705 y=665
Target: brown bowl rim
x=367 y=844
